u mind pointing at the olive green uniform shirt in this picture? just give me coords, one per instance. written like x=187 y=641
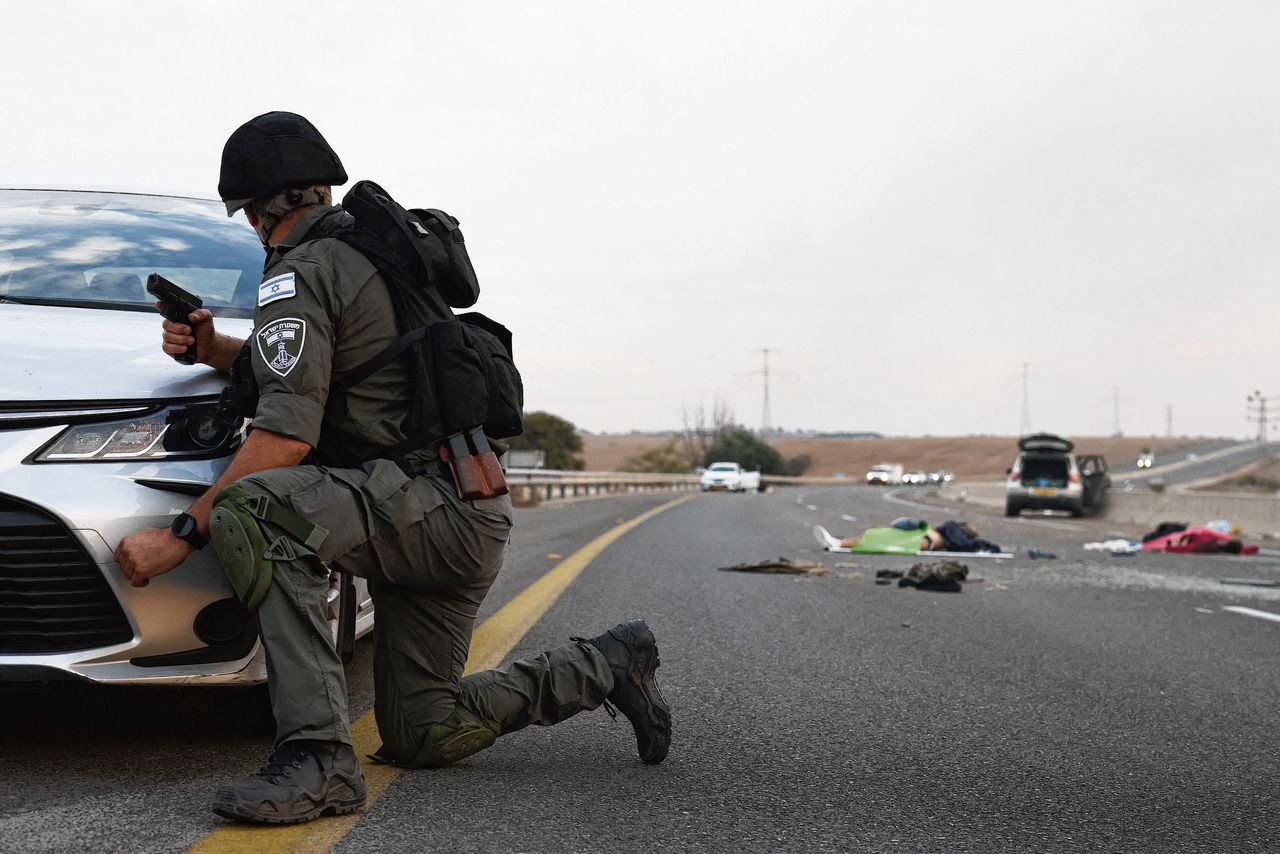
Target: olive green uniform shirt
x=323 y=310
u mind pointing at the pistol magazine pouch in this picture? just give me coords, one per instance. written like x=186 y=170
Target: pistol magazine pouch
x=247 y=550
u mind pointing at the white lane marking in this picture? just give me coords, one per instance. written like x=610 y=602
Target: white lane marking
x=1205 y=611
x=1252 y=612
x=848 y=518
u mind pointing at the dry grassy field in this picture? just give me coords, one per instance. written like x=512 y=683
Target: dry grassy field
x=972 y=456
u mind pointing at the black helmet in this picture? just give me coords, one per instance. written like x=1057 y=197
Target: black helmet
x=274 y=152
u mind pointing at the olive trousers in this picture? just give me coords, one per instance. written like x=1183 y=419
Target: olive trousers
x=429 y=558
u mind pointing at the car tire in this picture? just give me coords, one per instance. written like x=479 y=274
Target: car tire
x=1011 y=509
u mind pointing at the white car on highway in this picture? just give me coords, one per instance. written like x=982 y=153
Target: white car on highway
x=102 y=434
x=885 y=474
x=730 y=477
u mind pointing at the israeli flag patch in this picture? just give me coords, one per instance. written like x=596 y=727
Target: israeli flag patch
x=277 y=288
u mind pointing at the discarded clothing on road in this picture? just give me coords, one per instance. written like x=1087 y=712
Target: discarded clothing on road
x=944 y=576
x=779 y=566
x=1119 y=548
x=1164 y=529
x=1198 y=541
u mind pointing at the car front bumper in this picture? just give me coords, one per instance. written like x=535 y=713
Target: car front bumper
x=90 y=506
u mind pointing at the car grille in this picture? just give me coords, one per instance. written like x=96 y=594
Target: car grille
x=52 y=596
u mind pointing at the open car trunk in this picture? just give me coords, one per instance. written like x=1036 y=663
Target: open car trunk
x=1046 y=471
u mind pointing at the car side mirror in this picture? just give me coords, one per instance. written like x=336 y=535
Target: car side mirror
x=1008 y=471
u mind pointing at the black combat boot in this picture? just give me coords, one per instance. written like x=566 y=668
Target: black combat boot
x=302 y=780
x=632 y=654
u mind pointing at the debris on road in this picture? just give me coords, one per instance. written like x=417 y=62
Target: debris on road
x=1041 y=554
x=779 y=566
x=938 y=576
x=1164 y=529
x=1252 y=582
x=1119 y=548
x=1198 y=541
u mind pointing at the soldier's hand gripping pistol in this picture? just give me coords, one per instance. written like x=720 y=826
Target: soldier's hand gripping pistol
x=176 y=306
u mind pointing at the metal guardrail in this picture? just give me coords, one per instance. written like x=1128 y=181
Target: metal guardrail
x=548 y=484
x=528 y=485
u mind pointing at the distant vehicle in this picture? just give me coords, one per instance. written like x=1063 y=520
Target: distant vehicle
x=916 y=478
x=941 y=476
x=1146 y=459
x=730 y=477
x=1046 y=476
x=885 y=474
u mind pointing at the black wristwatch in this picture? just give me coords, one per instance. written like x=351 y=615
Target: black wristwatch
x=184 y=528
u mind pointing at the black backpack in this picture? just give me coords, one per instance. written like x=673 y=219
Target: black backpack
x=463 y=373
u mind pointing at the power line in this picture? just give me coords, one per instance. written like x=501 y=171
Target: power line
x=1256 y=407
x=1024 y=425
x=766 y=420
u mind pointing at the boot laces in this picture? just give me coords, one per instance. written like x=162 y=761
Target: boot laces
x=282 y=764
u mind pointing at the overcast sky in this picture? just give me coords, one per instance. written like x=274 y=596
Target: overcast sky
x=903 y=201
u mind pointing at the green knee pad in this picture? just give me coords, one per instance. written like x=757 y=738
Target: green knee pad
x=241 y=546
x=459 y=736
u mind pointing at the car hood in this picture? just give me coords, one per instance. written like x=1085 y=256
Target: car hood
x=57 y=353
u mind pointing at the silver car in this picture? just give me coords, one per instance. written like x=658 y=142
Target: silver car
x=102 y=434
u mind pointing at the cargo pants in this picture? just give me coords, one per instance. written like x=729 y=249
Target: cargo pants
x=429 y=558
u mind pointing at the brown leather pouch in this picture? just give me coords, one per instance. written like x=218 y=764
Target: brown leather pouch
x=474 y=466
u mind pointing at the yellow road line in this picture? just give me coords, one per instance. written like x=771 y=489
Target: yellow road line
x=490 y=643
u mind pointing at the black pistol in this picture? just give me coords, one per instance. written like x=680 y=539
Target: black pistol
x=176 y=305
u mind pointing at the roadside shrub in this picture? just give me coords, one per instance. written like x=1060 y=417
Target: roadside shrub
x=665 y=460
x=739 y=445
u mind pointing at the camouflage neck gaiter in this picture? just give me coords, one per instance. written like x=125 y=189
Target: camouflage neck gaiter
x=278 y=206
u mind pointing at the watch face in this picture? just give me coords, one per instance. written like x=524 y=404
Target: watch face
x=183 y=526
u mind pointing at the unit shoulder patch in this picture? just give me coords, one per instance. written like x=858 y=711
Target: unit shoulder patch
x=280 y=343
x=277 y=288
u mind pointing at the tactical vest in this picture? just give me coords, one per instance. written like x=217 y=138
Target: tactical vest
x=462 y=375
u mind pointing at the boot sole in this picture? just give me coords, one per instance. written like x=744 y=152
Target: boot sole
x=644 y=669
x=237 y=812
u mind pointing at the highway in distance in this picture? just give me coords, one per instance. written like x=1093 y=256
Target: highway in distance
x=1085 y=703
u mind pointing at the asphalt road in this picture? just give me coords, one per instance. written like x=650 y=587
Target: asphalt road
x=1194 y=462
x=1087 y=703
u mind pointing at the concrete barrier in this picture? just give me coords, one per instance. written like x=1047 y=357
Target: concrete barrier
x=1257 y=515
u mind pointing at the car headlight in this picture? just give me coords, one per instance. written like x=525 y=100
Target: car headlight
x=193 y=430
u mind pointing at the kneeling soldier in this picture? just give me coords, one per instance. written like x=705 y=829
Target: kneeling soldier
x=280 y=520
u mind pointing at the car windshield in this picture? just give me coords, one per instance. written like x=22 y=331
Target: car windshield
x=723 y=467
x=96 y=250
